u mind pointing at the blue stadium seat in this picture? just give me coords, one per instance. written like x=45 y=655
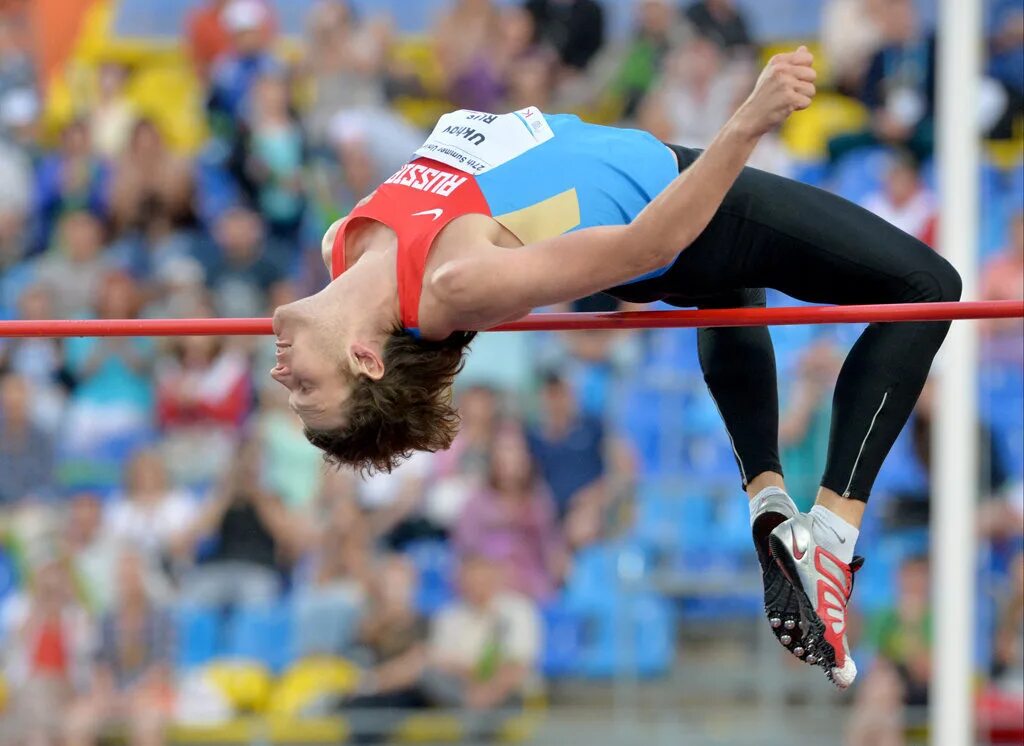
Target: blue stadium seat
x=263 y=635
x=563 y=631
x=859 y=174
x=197 y=634
x=434 y=562
x=638 y=638
x=9 y=578
x=1001 y=403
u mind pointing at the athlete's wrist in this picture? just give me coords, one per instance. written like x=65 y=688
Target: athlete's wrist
x=743 y=125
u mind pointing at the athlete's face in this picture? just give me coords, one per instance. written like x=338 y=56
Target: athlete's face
x=311 y=365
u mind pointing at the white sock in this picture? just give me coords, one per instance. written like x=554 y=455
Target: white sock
x=833 y=533
x=757 y=501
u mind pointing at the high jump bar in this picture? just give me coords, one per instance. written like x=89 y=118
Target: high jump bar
x=782 y=316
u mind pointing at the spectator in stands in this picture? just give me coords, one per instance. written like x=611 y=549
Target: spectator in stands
x=132 y=679
x=113 y=391
x=246 y=269
x=252 y=538
x=112 y=115
x=459 y=471
x=851 y=34
x=724 y=24
x=804 y=420
x=899 y=88
x=1006 y=60
x=395 y=504
x=695 y=96
x=17 y=69
x=655 y=35
x=178 y=290
x=293 y=468
x=369 y=145
x=332 y=585
x=902 y=671
x=269 y=157
x=74 y=269
x=465 y=39
x=345 y=61
x=235 y=71
x=70 y=179
x=512 y=518
x=26 y=451
x=91 y=550
x=45 y=651
x=1008 y=655
x=570 y=448
x=17 y=185
x=1002 y=278
x=484 y=648
x=208 y=35
x=574 y=28
x=905 y=200
x=39 y=360
x=392 y=639
x=528 y=69
x=203 y=394
x=149 y=513
x=149 y=179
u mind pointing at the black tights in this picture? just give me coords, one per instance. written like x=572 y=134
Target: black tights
x=771 y=232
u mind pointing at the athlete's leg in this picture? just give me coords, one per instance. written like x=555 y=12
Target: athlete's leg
x=818 y=247
x=739 y=369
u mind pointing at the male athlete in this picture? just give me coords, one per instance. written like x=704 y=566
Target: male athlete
x=499 y=214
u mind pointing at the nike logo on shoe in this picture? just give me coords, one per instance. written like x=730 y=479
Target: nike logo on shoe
x=436 y=212
x=797 y=552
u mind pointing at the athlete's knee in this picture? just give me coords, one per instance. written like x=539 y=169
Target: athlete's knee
x=939 y=281
x=950 y=284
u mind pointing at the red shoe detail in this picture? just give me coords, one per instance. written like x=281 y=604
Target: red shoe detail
x=833 y=594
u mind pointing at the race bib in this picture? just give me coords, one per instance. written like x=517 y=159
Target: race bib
x=474 y=142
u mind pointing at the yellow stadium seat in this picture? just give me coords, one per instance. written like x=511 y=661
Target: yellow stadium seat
x=309 y=680
x=171 y=96
x=807 y=133
x=245 y=685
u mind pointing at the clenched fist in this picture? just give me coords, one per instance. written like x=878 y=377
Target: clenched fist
x=784 y=86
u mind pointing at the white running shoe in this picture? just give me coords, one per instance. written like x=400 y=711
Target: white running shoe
x=781 y=601
x=822 y=584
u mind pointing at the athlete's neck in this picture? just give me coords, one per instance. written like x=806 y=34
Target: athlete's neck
x=366 y=295
x=368 y=236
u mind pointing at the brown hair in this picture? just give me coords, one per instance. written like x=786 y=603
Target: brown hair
x=408 y=409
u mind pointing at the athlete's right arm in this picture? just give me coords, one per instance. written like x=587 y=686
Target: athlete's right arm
x=488 y=287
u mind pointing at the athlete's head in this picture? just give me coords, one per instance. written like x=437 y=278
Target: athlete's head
x=368 y=393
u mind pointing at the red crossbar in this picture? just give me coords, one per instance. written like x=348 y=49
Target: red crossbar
x=554 y=321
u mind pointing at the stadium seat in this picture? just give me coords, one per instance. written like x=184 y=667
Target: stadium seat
x=309 y=681
x=434 y=561
x=197 y=634
x=262 y=635
x=638 y=638
x=563 y=629
x=860 y=173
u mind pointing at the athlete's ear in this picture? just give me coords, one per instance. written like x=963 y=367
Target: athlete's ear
x=366 y=360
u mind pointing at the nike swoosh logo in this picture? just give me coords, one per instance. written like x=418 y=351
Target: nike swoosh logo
x=436 y=212
x=842 y=539
x=797 y=553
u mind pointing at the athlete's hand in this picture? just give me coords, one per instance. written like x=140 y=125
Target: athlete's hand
x=784 y=86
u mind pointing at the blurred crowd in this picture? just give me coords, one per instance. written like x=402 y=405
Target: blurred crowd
x=148 y=482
